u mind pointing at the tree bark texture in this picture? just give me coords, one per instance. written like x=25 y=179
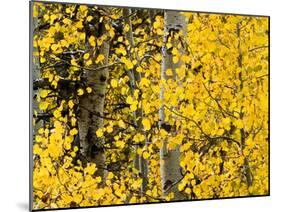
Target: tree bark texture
x=92 y=107
x=170 y=159
x=140 y=163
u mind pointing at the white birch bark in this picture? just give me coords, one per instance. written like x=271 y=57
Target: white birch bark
x=140 y=163
x=91 y=111
x=170 y=159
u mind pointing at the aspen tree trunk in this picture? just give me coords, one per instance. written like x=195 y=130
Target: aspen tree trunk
x=140 y=163
x=247 y=169
x=170 y=159
x=91 y=109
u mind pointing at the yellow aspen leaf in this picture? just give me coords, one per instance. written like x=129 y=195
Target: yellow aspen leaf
x=100 y=58
x=169 y=72
x=159 y=31
x=136 y=93
x=120 y=144
x=226 y=123
x=146 y=124
x=136 y=184
x=70 y=104
x=139 y=137
x=121 y=124
x=246 y=152
x=73 y=121
x=80 y=92
x=98 y=179
x=139 y=151
x=193 y=182
x=41 y=131
x=185 y=58
x=220 y=132
x=139 y=69
x=73 y=131
x=67 y=146
x=82 y=36
x=64 y=43
x=145 y=155
x=99 y=133
x=43 y=59
x=54 y=47
x=126 y=28
x=89 y=90
x=91 y=169
x=73 y=62
x=83 y=8
x=175 y=59
x=34 y=11
x=153 y=162
x=129 y=100
x=156 y=24
x=170 y=196
x=175 y=51
x=92 y=41
x=128 y=63
x=107 y=27
x=181 y=186
x=86 y=56
x=52 y=18
x=122 y=51
x=79 y=25
x=46 y=17
x=109 y=129
x=110 y=175
x=114 y=83
x=57 y=114
x=37 y=150
x=43 y=93
x=66 y=21
x=169 y=45
x=77 y=198
x=75 y=149
x=133 y=107
x=120 y=39
x=43 y=105
x=99 y=41
x=146 y=107
x=38 y=138
x=144 y=82
x=124 y=90
x=89 y=62
x=238 y=123
x=135 y=62
x=188 y=190
x=180 y=73
x=89 y=18
x=73 y=154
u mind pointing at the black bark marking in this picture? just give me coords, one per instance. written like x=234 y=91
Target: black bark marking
x=102 y=78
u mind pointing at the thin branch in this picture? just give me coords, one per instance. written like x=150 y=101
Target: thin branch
x=258 y=47
x=108 y=118
x=189 y=119
x=207 y=136
x=219 y=105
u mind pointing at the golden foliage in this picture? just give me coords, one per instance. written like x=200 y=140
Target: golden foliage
x=217 y=108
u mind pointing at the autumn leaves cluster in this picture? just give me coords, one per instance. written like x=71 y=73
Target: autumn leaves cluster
x=215 y=104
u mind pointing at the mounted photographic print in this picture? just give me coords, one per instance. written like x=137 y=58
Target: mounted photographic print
x=138 y=105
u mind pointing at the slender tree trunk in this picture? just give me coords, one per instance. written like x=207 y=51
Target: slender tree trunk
x=175 y=23
x=247 y=168
x=140 y=163
x=91 y=110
